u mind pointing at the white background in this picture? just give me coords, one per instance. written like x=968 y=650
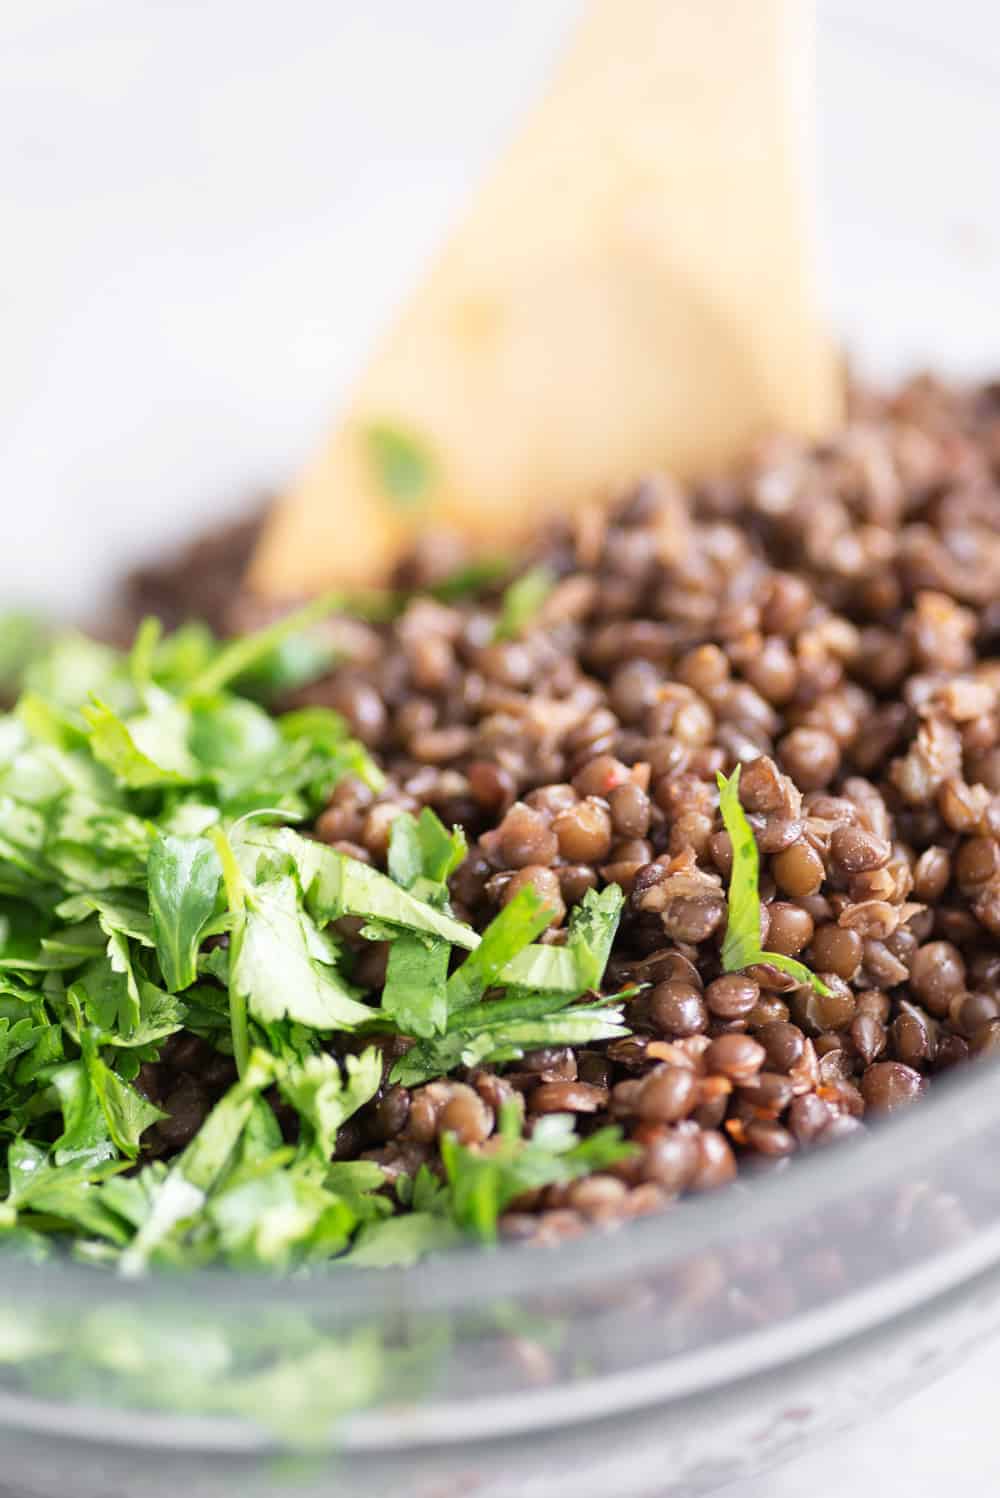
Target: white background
x=942 y=1443
x=210 y=205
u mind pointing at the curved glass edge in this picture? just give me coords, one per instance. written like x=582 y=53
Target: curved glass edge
x=960 y=1107
x=713 y=1290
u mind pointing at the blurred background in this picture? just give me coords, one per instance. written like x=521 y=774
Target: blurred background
x=212 y=207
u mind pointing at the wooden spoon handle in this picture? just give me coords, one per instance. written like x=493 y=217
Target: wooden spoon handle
x=630 y=289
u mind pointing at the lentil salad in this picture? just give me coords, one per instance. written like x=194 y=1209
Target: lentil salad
x=824 y=624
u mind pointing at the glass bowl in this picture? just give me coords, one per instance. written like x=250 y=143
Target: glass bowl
x=671 y=1356
x=682 y=1351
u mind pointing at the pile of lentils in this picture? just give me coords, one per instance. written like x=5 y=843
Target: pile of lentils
x=828 y=617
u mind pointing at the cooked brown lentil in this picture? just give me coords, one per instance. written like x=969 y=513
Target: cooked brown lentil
x=829 y=618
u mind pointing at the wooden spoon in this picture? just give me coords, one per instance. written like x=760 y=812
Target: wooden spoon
x=631 y=289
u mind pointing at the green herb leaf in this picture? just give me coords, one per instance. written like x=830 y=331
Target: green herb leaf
x=236 y=898
x=85 y=1137
x=143 y=653
x=112 y=852
x=279 y=1220
x=421 y=848
x=441 y=851
x=184 y=877
x=171 y=1200
x=336 y=885
x=405 y=859
x=160 y=1014
x=415 y=996
x=245 y=653
x=482 y=1186
x=23 y=639
x=150 y=750
x=209 y=1152
x=522 y=601
x=507 y=934
x=121 y=911
x=127 y=1113
x=741 y=944
x=578 y=967
x=181 y=1193
x=281 y=967
x=506 y=1035
x=290 y=665
x=503 y=1029
x=102 y=1115
x=401 y=1242
x=76 y=668
x=401 y=464
x=477 y=576
x=39 y=1184
x=324 y=1100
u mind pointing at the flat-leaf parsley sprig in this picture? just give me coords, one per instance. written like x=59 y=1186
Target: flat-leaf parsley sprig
x=741 y=946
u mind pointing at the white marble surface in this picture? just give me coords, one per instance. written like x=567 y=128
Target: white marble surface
x=941 y=1443
x=211 y=205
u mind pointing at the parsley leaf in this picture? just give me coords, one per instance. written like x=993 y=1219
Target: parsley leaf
x=401 y=1242
x=37 y=1183
x=294 y=661
x=282 y=967
x=472 y=577
x=120 y=911
x=127 y=1113
x=336 y=885
x=324 y=1100
x=246 y=653
x=74 y=668
x=741 y=944
x=85 y=1137
x=422 y=856
x=401 y=464
x=422 y=847
x=102 y=1115
x=503 y=1029
x=148 y=750
x=507 y=934
x=123 y=978
x=183 y=1190
x=541 y=982
x=521 y=602
x=23 y=639
x=415 y=995
x=579 y=965
x=184 y=875
x=482 y=1185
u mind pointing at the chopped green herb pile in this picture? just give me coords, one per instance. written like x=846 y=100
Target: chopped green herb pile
x=741 y=946
x=149 y=885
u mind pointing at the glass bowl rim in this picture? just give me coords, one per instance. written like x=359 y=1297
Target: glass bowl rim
x=958 y=1107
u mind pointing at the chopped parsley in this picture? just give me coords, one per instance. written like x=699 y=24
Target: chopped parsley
x=401 y=463
x=741 y=946
x=476 y=576
x=481 y=1186
x=23 y=639
x=544 y=988
x=522 y=601
x=150 y=883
